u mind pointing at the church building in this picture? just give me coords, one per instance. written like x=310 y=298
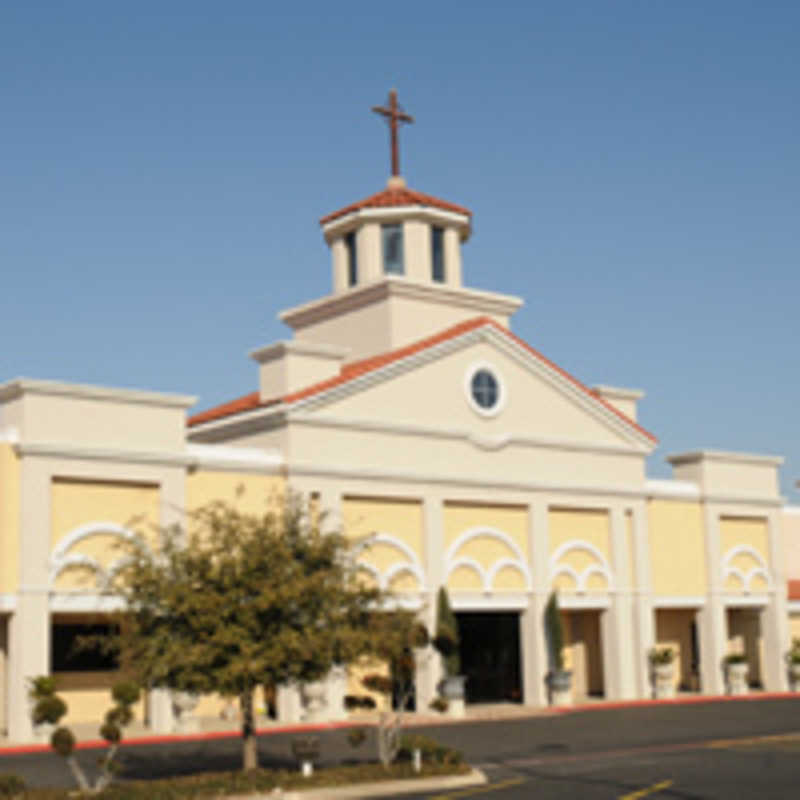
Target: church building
x=404 y=402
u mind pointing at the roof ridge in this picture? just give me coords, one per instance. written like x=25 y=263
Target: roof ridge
x=396 y=196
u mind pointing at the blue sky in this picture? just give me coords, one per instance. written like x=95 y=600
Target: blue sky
x=633 y=169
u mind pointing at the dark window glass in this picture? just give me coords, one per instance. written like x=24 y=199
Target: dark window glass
x=67 y=656
x=484 y=389
x=352 y=262
x=437 y=254
x=393 y=249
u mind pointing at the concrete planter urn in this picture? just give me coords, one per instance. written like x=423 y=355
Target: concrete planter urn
x=452 y=689
x=662 y=670
x=736 y=669
x=559 y=685
x=314 y=705
x=183 y=706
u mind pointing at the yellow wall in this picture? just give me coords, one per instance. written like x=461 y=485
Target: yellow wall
x=677 y=548
x=486 y=550
x=79 y=502
x=584 y=525
x=402 y=519
x=88 y=696
x=794 y=626
x=252 y=493
x=9 y=519
x=748 y=531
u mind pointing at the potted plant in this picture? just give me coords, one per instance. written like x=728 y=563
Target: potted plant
x=183 y=706
x=446 y=642
x=559 y=680
x=662 y=671
x=736 y=673
x=793 y=662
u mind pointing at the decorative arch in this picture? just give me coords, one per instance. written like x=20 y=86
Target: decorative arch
x=60 y=559
x=384 y=579
x=746 y=578
x=581 y=579
x=486 y=576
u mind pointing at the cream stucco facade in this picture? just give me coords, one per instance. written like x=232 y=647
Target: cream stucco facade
x=467 y=459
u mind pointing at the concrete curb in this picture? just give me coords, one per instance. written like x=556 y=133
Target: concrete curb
x=376 y=789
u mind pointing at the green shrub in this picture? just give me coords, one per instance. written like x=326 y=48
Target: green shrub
x=432 y=751
x=555 y=633
x=49 y=708
x=63 y=741
x=42 y=686
x=126 y=693
x=661 y=655
x=11 y=785
x=439 y=704
x=736 y=658
x=446 y=639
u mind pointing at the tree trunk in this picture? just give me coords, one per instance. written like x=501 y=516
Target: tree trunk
x=249 y=743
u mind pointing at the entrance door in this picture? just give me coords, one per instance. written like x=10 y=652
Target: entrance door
x=744 y=636
x=490 y=656
x=584 y=654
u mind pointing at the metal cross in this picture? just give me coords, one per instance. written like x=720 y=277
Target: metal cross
x=394 y=115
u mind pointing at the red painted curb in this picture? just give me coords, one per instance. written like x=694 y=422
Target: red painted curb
x=677 y=701
x=327 y=726
x=89 y=744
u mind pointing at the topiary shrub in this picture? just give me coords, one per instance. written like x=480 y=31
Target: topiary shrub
x=48 y=709
x=446 y=639
x=555 y=633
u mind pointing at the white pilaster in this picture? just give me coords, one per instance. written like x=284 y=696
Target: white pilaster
x=452 y=257
x=643 y=615
x=617 y=621
x=368 y=253
x=712 y=621
x=340 y=265
x=428 y=663
x=775 y=617
x=533 y=645
x=29 y=626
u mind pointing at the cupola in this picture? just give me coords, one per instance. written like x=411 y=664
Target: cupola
x=396 y=258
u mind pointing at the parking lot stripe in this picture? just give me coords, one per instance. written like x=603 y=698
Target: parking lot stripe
x=656 y=787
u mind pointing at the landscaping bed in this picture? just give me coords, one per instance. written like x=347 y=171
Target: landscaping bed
x=437 y=761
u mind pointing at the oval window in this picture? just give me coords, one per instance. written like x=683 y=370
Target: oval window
x=485 y=389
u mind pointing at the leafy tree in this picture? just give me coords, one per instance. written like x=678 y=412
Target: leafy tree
x=241 y=600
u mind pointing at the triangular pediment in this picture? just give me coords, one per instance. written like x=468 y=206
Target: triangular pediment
x=430 y=389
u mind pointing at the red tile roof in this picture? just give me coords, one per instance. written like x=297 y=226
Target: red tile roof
x=396 y=197
x=356 y=368
x=794 y=589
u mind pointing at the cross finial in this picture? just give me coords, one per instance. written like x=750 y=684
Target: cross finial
x=394 y=115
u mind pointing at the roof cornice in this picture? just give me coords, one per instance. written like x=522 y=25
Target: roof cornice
x=392 y=286
x=19 y=386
